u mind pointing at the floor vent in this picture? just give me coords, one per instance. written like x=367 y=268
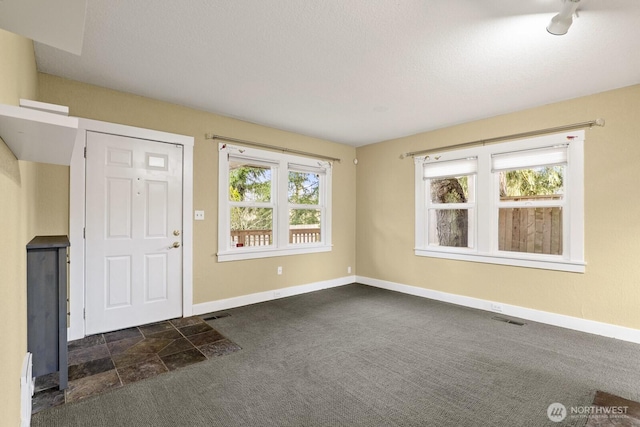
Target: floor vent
x=215 y=316
x=509 y=321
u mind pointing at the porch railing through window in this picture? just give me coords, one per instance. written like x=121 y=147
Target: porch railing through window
x=251 y=238
x=241 y=238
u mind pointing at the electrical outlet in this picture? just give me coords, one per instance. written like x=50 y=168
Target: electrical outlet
x=277 y=294
x=198 y=215
x=279 y=271
x=349 y=270
x=496 y=307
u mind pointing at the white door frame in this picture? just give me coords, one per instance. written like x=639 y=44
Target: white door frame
x=77 y=215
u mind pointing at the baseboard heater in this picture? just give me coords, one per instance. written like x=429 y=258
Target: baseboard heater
x=27 y=386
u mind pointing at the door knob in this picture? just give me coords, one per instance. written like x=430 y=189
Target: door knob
x=176 y=232
x=175 y=245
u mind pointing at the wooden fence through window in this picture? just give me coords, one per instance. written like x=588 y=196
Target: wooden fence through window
x=532 y=230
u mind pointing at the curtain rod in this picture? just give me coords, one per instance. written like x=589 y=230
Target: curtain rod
x=589 y=124
x=270 y=147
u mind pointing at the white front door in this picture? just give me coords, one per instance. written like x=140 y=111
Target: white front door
x=133 y=232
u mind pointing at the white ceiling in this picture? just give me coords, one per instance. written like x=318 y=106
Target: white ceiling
x=353 y=71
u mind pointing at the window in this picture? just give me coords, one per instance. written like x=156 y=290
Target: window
x=272 y=204
x=451 y=202
x=305 y=209
x=517 y=203
x=531 y=199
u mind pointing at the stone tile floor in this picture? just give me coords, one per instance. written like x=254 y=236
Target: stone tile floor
x=611 y=410
x=107 y=361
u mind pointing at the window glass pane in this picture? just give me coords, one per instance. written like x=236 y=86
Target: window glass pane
x=449 y=227
x=452 y=190
x=251 y=226
x=249 y=182
x=304 y=188
x=531 y=230
x=541 y=183
x=304 y=225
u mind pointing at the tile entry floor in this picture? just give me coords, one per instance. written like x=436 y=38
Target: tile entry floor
x=103 y=362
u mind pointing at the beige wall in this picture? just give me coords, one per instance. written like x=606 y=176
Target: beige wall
x=213 y=280
x=49 y=210
x=385 y=204
x=18 y=79
x=607 y=292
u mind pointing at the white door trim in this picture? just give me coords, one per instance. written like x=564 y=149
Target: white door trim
x=77 y=215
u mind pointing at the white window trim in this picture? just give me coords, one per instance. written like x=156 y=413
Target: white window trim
x=280 y=204
x=485 y=249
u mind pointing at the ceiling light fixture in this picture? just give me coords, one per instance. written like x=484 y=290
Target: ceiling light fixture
x=560 y=23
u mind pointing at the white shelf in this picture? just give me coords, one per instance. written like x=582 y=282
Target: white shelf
x=43 y=106
x=38 y=136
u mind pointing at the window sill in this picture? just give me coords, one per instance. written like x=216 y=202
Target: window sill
x=247 y=253
x=545 y=264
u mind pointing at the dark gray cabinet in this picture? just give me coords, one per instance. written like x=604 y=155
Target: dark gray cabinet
x=47 y=305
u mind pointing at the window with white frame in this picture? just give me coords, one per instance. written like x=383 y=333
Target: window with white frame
x=517 y=203
x=450 y=202
x=272 y=204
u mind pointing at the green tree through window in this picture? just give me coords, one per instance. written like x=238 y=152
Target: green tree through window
x=304 y=189
x=547 y=180
x=250 y=183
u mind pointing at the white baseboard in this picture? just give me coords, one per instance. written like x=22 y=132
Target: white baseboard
x=563 y=321
x=225 y=304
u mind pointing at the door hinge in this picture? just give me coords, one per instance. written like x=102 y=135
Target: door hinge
x=85 y=152
x=84 y=313
x=84 y=233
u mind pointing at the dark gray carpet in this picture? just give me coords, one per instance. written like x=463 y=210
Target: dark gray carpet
x=361 y=356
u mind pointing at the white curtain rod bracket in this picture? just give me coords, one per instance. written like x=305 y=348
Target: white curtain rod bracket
x=582 y=125
x=269 y=147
